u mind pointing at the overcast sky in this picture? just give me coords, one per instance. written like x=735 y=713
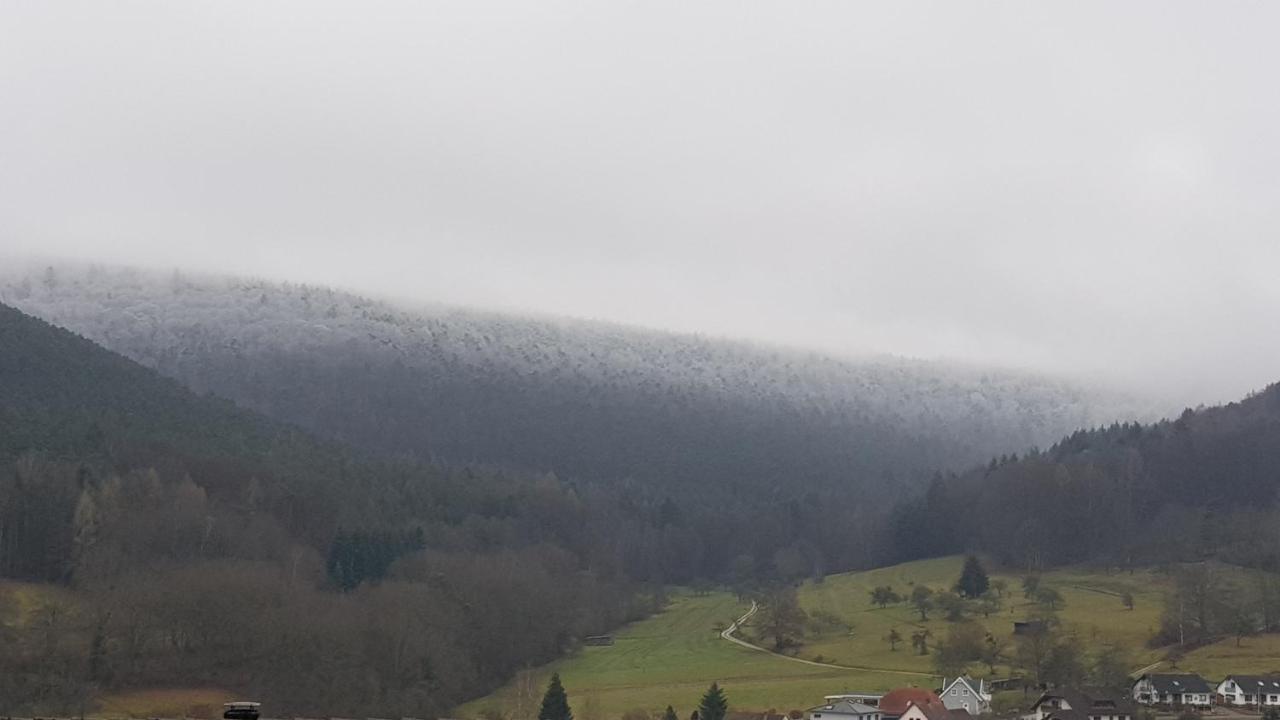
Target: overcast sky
x=1089 y=188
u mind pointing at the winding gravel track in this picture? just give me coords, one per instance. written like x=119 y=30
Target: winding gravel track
x=728 y=634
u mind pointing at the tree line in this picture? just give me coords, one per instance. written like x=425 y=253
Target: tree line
x=714 y=704
x=1202 y=486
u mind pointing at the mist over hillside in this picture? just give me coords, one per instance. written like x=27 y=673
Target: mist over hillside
x=587 y=400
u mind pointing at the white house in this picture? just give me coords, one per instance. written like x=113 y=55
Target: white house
x=844 y=710
x=1173 y=690
x=1256 y=690
x=966 y=694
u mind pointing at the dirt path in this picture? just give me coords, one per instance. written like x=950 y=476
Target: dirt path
x=1147 y=669
x=728 y=634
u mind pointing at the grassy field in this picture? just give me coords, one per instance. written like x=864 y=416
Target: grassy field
x=1093 y=610
x=1255 y=655
x=672 y=657
x=21 y=601
x=165 y=702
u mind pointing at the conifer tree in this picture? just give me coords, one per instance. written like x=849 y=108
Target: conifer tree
x=973 y=581
x=555 y=703
x=670 y=714
x=714 y=704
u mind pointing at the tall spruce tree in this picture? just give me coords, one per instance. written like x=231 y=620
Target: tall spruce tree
x=714 y=704
x=973 y=579
x=555 y=703
x=670 y=714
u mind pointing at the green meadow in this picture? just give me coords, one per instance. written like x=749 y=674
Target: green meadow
x=1092 y=609
x=672 y=657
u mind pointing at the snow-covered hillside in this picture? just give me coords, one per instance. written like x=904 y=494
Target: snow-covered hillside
x=586 y=399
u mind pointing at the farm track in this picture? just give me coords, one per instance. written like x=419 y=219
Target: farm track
x=728 y=634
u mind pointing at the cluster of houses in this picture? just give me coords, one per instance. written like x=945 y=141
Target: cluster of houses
x=1255 y=691
x=960 y=698
x=964 y=697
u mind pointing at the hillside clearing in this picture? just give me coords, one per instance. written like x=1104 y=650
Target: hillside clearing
x=1092 y=609
x=165 y=702
x=671 y=659
x=673 y=656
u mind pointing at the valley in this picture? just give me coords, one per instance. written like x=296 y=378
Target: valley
x=133 y=496
x=639 y=360
x=672 y=657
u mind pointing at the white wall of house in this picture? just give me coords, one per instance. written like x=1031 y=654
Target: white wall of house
x=1144 y=693
x=1234 y=694
x=913 y=712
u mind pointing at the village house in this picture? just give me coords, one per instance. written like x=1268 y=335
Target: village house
x=1251 y=690
x=1173 y=690
x=844 y=709
x=964 y=693
x=1081 y=704
x=895 y=702
x=932 y=711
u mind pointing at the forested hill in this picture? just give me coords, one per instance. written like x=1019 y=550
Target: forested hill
x=1203 y=485
x=198 y=544
x=585 y=400
x=66 y=398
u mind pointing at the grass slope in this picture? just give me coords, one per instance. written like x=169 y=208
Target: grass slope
x=1093 y=610
x=165 y=702
x=672 y=657
x=20 y=602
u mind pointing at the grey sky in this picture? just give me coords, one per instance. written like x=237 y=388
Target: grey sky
x=1079 y=187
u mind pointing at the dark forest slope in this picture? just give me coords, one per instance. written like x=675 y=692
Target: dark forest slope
x=585 y=400
x=203 y=544
x=1202 y=485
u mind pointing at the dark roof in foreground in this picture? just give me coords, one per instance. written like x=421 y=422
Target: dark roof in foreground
x=1166 y=684
x=1264 y=683
x=1088 y=701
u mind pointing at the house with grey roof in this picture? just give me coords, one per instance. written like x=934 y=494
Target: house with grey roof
x=1250 y=690
x=1173 y=690
x=844 y=710
x=967 y=694
x=1081 y=704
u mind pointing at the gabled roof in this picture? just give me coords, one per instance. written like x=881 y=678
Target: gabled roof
x=1085 y=701
x=1257 y=683
x=845 y=707
x=1166 y=684
x=933 y=710
x=977 y=688
x=895 y=702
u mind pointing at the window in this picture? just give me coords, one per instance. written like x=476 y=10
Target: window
x=965 y=692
